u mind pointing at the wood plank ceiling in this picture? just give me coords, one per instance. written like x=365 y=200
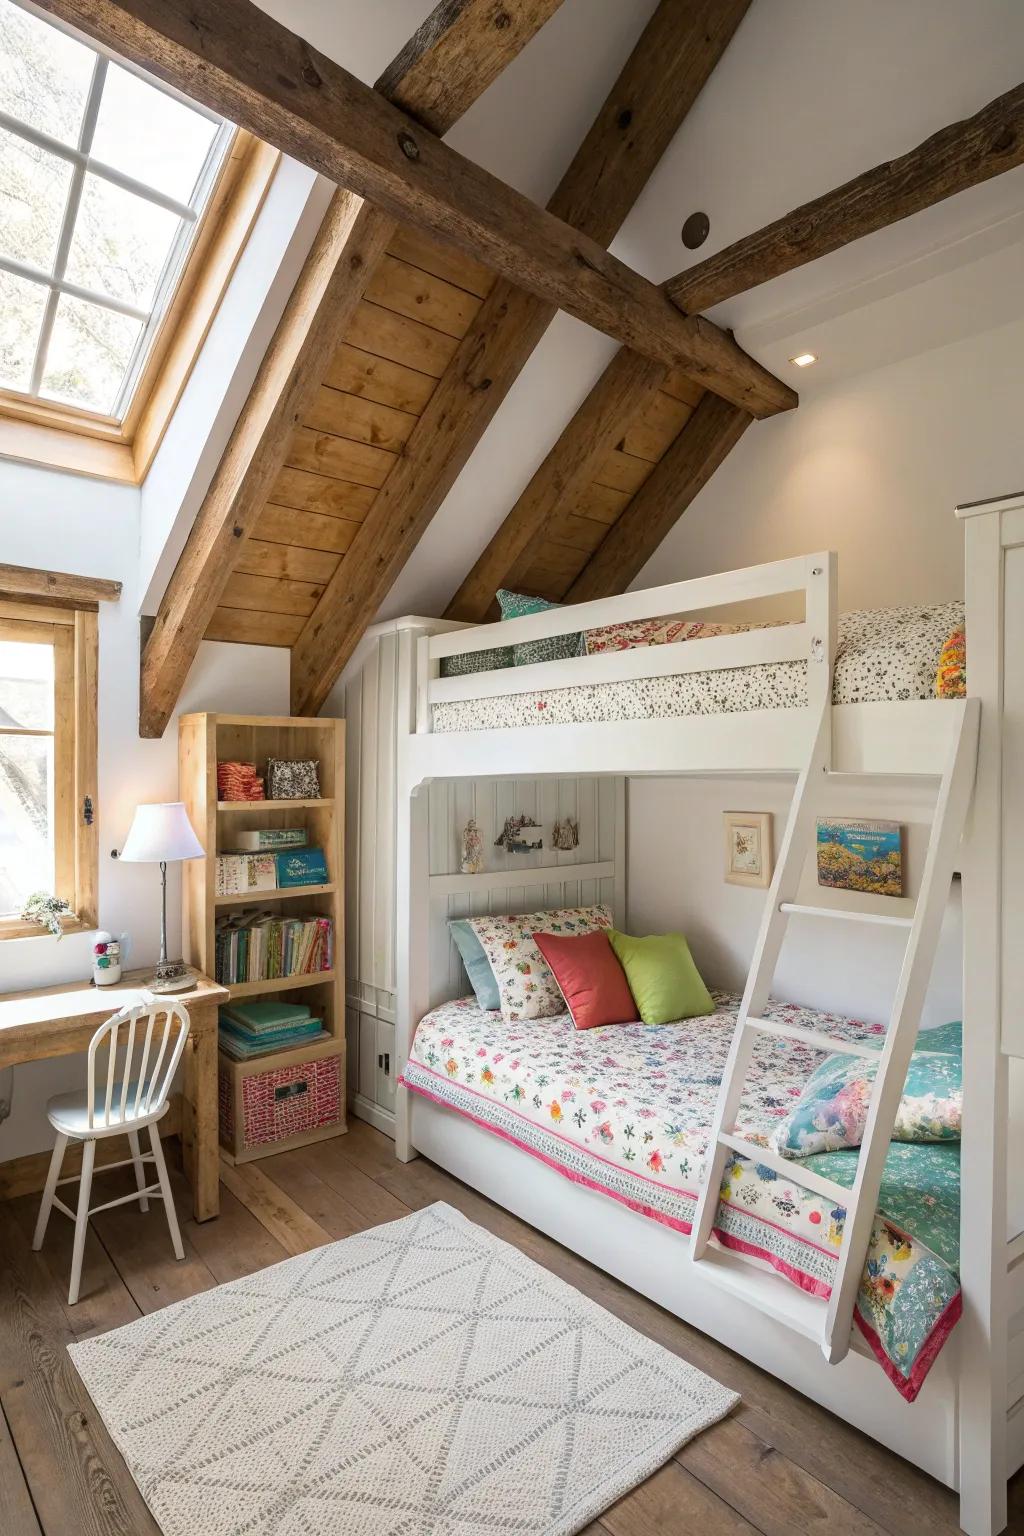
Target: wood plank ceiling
x=419 y=303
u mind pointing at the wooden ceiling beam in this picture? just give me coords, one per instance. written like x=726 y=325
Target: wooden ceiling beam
x=236 y=59
x=712 y=432
x=475 y=45
x=628 y=384
x=25 y=583
x=658 y=84
x=952 y=160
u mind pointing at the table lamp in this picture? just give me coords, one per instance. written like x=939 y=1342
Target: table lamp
x=162 y=834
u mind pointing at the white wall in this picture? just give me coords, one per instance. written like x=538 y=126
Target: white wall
x=69 y=523
x=219 y=384
x=676 y=844
x=872 y=468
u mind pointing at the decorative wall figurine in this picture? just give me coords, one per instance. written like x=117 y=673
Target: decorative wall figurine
x=472 y=849
x=861 y=855
x=565 y=835
x=748 y=848
x=512 y=837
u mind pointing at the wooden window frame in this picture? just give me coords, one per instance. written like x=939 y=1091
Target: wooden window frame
x=74 y=634
x=65 y=437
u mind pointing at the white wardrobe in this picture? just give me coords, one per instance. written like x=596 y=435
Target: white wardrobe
x=370 y=693
x=374 y=691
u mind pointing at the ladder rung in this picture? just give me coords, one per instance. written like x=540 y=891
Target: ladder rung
x=796 y=909
x=817 y=1041
x=837 y=1193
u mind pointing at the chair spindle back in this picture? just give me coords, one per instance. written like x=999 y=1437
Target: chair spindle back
x=158 y=1058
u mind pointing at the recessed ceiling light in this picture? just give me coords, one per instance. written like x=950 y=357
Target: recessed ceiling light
x=804 y=359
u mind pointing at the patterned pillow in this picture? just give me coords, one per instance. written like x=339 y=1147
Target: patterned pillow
x=832 y=1110
x=477 y=661
x=527 y=988
x=951 y=674
x=516 y=605
x=891 y=653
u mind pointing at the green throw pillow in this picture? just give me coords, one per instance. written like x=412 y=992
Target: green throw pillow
x=516 y=605
x=663 y=979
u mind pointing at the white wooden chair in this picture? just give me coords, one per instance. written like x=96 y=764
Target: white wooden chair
x=118 y=1106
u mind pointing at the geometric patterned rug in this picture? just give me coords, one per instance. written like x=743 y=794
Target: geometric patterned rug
x=421 y=1378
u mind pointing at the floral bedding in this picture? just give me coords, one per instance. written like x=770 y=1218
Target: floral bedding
x=626 y=1109
x=882 y=654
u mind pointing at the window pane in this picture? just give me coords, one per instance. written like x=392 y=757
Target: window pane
x=21 y=313
x=33 y=192
x=150 y=136
x=44 y=74
x=26 y=819
x=121 y=243
x=26 y=685
x=89 y=352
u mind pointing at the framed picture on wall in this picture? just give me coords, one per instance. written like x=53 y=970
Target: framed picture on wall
x=861 y=855
x=748 y=847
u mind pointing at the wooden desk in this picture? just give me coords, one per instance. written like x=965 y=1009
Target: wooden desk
x=59 y=1021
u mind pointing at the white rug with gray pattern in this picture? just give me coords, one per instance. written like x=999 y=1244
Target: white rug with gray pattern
x=421 y=1378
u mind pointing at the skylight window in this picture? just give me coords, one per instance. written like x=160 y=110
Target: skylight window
x=104 y=176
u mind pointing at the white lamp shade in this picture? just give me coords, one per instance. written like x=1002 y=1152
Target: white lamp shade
x=161 y=834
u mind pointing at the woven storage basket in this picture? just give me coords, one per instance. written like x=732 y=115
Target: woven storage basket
x=281 y=1101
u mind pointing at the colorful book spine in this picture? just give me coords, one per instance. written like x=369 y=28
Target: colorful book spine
x=265 y=946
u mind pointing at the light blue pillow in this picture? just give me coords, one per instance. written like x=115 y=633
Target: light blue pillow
x=478 y=967
x=831 y=1112
x=516 y=605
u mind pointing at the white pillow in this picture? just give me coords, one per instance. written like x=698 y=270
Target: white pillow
x=527 y=988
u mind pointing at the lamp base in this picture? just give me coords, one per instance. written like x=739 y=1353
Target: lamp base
x=172 y=976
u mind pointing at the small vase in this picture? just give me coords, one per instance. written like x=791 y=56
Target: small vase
x=106 y=960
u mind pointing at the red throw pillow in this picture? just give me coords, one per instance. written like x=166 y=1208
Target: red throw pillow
x=593 y=982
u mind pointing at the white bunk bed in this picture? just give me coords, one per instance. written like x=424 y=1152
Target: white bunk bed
x=967 y=1425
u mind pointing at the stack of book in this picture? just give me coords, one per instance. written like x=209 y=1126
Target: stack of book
x=255 y=945
x=257 y=1028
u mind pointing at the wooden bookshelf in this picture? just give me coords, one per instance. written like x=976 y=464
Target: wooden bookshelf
x=203 y=741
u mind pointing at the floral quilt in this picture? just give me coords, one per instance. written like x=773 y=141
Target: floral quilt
x=882 y=653
x=626 y=1109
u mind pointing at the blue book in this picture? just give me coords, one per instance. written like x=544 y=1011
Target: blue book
x=302 y=866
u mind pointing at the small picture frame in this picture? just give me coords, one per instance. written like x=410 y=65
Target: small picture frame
x=858 y=855
x=748 y=848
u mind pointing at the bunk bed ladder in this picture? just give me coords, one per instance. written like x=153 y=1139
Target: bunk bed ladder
x=893 y=1056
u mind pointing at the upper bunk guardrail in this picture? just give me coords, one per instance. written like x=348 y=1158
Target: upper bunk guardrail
x=812 y=640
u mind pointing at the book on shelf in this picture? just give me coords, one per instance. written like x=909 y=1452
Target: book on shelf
x=237 y=1040
x=302 y=866
x=257 y=945
x=265 y=1015
x=257 y=1026
x=237 y=873
x=268 y=838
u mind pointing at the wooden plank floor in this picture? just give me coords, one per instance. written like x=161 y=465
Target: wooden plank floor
x=778 y=1465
